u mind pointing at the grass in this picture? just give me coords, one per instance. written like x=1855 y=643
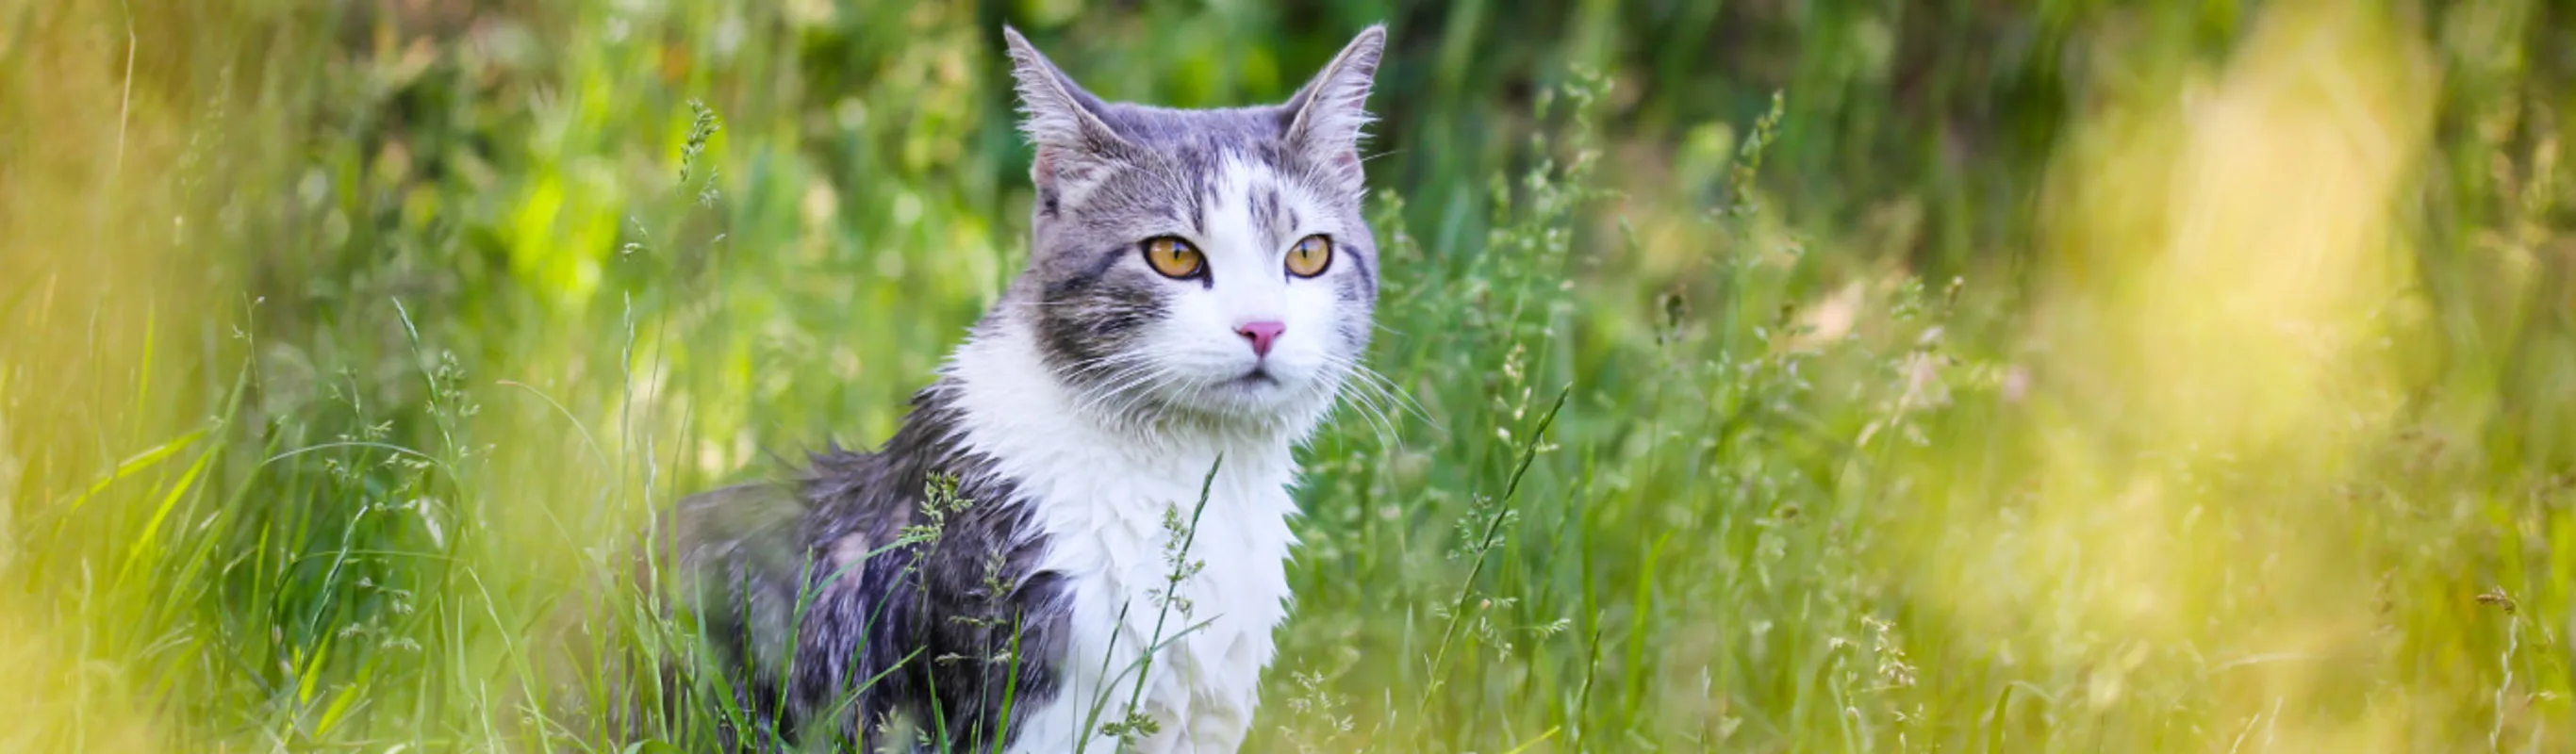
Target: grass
x=2154 y=378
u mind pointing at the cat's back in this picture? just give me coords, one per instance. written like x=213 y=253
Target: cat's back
x=774 y=531
x=752 y=518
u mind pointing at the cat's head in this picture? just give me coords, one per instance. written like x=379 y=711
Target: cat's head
x=1206 y=265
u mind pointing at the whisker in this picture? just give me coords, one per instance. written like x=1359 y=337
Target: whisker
x=1120 y=383
x=1375 y=417
x=1365 y=395
x=1386 y=388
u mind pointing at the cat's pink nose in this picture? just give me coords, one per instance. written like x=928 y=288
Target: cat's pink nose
x=1261 y=334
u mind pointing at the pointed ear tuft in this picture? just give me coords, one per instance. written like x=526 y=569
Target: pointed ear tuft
x=1055 y=111
x=1327 y=118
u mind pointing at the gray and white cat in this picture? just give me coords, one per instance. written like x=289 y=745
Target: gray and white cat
x=1200 y=284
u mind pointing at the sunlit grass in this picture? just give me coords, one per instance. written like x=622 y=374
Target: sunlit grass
x=348 y=363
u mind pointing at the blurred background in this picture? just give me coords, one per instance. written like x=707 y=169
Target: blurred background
x=1958 y=374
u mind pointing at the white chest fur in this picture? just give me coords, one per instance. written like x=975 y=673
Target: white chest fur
x=1102 y=502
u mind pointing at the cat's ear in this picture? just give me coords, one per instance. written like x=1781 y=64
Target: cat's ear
x=1326 y=118
x=1061 y=119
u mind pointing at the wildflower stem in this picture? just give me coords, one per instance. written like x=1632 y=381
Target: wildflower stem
x=1485 y=544
x=1173 y=583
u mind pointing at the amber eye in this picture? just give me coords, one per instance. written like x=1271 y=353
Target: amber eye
x=1311 y=257
x=1174 y=257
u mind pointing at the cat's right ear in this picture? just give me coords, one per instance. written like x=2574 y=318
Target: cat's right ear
x=1327 y=115
x=1060 y=119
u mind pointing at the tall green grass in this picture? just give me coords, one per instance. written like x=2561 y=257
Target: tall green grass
x=1761 y=378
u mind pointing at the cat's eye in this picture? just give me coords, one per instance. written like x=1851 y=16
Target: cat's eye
x=1173 y=257
x=1311 y=257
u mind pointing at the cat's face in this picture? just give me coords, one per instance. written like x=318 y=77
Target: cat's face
x=1211 y=264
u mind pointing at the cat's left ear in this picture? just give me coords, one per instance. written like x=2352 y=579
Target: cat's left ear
x=1327 y=117
x=1074 y=145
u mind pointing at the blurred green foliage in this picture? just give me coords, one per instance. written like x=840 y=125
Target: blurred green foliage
x=351 y=341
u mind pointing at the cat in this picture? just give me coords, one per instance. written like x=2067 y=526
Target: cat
x=1200 y=287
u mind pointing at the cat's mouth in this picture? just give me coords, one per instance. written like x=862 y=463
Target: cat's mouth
x=1259 y=377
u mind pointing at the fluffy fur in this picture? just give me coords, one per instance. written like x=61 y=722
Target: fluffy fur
x=1084 y=411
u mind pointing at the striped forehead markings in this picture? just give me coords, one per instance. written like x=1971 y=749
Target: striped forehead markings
x=1238 y=184
x=1265 y=211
